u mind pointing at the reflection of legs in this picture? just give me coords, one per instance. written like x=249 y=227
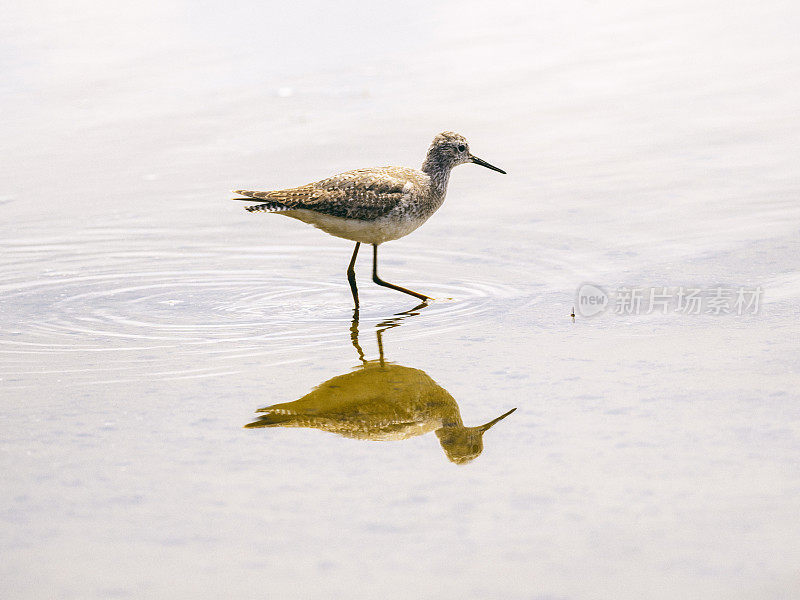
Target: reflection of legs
x=380 y=281
x=351 y=274
x=379 y=335
x=397 y=319
x=354 y=336
x=411 y=312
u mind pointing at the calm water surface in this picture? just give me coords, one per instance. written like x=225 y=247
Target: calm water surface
x=148 y=324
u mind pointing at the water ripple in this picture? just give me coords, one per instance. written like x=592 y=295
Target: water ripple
x=101 y=295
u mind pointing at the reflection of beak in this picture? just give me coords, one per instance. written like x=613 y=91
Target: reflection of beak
x=483 y=428
x=483 y=163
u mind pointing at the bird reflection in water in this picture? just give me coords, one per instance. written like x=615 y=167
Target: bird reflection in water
x=380 y=400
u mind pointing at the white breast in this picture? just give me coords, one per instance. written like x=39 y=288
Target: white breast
x=391 y=227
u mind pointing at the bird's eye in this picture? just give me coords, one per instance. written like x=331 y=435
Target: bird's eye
x=461 y=147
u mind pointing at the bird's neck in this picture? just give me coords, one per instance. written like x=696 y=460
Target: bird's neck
x=438 y=172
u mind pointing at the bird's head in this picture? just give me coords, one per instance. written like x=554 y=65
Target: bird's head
x=450 y=149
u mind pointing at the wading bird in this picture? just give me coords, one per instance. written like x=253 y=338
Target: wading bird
x=373 y=206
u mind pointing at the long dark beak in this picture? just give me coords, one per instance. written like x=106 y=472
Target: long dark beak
x=483 y=163
x=492 y=422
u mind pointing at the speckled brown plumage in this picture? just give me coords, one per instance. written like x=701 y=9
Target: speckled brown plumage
x=361 y=194
x=380 y=203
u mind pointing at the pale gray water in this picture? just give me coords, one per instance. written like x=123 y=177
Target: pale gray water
x=144 y=317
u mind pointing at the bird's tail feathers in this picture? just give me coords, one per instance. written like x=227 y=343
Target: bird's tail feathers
x=267 y=207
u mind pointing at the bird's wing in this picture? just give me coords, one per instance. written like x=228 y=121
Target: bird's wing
x=362 y=194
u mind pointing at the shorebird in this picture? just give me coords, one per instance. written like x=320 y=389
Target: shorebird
x=375 y=205
x=382 y=401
